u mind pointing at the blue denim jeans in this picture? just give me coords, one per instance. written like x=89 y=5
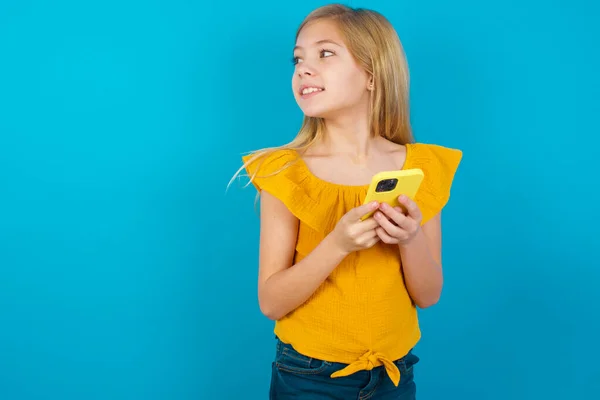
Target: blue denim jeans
x=295 y=376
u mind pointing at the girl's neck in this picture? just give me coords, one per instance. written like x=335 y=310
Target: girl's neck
x=349 y=135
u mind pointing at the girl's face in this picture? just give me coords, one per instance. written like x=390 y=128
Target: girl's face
x=327 y=81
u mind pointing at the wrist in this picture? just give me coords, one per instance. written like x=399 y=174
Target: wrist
x=332 y=243
x=410 y=242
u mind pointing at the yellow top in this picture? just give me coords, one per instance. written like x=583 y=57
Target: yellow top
x=362 y=315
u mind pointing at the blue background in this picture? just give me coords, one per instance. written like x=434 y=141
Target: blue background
x=127 y=272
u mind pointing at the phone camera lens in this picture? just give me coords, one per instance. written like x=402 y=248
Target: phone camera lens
x=386 y=185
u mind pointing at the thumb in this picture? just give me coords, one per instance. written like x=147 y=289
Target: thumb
x=359 y=211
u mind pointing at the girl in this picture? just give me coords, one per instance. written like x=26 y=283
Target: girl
x=344 y=292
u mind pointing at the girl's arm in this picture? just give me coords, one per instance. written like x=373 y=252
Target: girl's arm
x=420 y=249
x=422 y=265
x=282 y=287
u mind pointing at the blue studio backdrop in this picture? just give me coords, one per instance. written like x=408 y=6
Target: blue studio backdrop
x=128 y=272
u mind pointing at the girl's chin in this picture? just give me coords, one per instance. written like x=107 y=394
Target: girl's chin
x=316 y=113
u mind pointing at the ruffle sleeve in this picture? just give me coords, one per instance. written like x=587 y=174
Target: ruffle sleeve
x=281 y=174
x=439 y=165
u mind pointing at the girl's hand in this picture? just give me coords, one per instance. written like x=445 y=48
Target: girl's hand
x=351 y=234
x=395 y=226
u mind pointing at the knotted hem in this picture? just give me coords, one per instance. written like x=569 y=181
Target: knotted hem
x=368 y=361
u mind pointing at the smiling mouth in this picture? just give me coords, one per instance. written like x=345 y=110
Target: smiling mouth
x=310 y=91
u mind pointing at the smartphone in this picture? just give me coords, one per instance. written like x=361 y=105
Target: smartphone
x=387 y=186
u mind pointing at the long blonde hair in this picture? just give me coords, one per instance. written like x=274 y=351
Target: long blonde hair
x=374 y=44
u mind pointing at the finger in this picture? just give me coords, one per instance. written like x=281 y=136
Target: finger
x=368 y=239
x=372 y=238
x=385 y=238
x=401 y=211
x=358 y=212
x=411 y=207
x=387 y=225
x=367 y=236
x=368 y=224
x=394 y=215
x=373 y=241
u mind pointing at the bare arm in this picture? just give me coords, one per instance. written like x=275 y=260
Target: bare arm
x=420 y=249
x=282 y=287
x=422 y=265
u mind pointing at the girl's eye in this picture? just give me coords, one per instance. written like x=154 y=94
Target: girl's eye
x=324 y=54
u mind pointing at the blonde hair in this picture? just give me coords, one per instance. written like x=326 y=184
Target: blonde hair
x=376 y=47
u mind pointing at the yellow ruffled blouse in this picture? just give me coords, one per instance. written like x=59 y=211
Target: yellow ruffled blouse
x=362 y=314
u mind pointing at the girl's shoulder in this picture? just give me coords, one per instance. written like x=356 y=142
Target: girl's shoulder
x=282 y=173
x=435 y=151
x=439 y=165
x=433 y=157
x=273 y=168
x=269 y=160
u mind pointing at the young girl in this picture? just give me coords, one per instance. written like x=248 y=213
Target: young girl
x=344 y=292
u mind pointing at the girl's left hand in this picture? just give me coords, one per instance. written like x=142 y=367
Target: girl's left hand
x=395 y=227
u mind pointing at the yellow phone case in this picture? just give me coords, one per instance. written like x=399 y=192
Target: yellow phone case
x=387 y=186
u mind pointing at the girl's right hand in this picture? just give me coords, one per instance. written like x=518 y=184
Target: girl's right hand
x=351 y=234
